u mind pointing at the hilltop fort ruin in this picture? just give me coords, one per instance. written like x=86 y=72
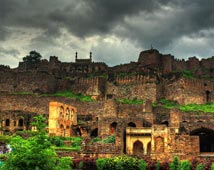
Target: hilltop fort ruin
x=150 y=128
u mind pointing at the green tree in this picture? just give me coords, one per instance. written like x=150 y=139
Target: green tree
x=32 y=58
x=39 y=123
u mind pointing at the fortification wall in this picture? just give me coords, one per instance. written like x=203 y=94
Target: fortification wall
x=130 y=87
x=94 y=86
x=187 y=91
x=27 y=82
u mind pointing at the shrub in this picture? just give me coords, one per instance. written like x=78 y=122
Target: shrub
x=200 y=166
x=109 y=139
x=185 y=165
x=157 y=166
x=80 y=165
x=212 y=166
x=55 y=140
x=142 y=165
x=100 y=163
x=64 y=163
x=175 y=164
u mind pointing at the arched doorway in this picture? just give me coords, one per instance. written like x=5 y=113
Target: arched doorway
x=94 y=133
x=149 y=148
x=159 y=144
x=131 y=124
x=21 y=122
x=206 y=139
x=138 y=148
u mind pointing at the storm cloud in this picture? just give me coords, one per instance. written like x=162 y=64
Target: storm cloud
x=61 y=27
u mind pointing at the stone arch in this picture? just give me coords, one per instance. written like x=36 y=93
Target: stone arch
x=61 y=110
x=7 y=122
x=165 y=122
x=159 y=144
x=94 y=132
x=131 y=124
x=113 y=127
x=21 y=122
x=67 y=116
x=206 y=139
x=138 y=148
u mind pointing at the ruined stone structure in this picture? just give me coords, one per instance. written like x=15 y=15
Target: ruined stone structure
x=61 y=118
x=139 y=129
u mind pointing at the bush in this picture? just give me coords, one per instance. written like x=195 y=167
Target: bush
x=100 y=163
x=185 y=165
x=109 y=139
x=157 y=166
x=64 y=163
x=142 y=165
x=212 y=166
x=55 y=140
x=200 y=166
x=120 y=163
x=175 y=164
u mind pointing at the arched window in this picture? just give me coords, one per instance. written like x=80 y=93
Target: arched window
x=21 y=123
x=94 y=133
x=7 y=122
x=113 y=127
x=208 y=96
x=61 y=112
x=67 y=113
x=131 y=124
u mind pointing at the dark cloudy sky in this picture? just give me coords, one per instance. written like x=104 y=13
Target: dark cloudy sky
x=114 y=30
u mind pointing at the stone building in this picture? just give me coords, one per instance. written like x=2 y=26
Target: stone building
x=61 y=119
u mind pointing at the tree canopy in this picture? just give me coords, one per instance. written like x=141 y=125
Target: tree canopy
x=33 y=57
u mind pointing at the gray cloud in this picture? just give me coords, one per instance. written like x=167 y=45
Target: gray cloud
x=163 y=23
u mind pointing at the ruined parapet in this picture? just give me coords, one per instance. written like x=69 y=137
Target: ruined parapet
x=150 y=58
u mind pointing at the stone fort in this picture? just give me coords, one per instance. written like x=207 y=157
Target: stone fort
x=146 y=129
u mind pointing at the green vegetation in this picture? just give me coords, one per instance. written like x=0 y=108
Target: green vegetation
x=128 y=101
x=34 y=152
x=32 y=58
x=207 y=108
x=109 y=139
x=168 y=104
x=187 y=74
x=23 y=93
x=185 y=165
x=120 y=163
x=175 y=165
x=69 y=94
x=200 y=166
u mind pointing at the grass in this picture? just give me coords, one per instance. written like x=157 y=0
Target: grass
x=67 y=148
x=207 y=108
x=23 y=93
x=128 y=101
x=168 y=104
x=72 y=95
